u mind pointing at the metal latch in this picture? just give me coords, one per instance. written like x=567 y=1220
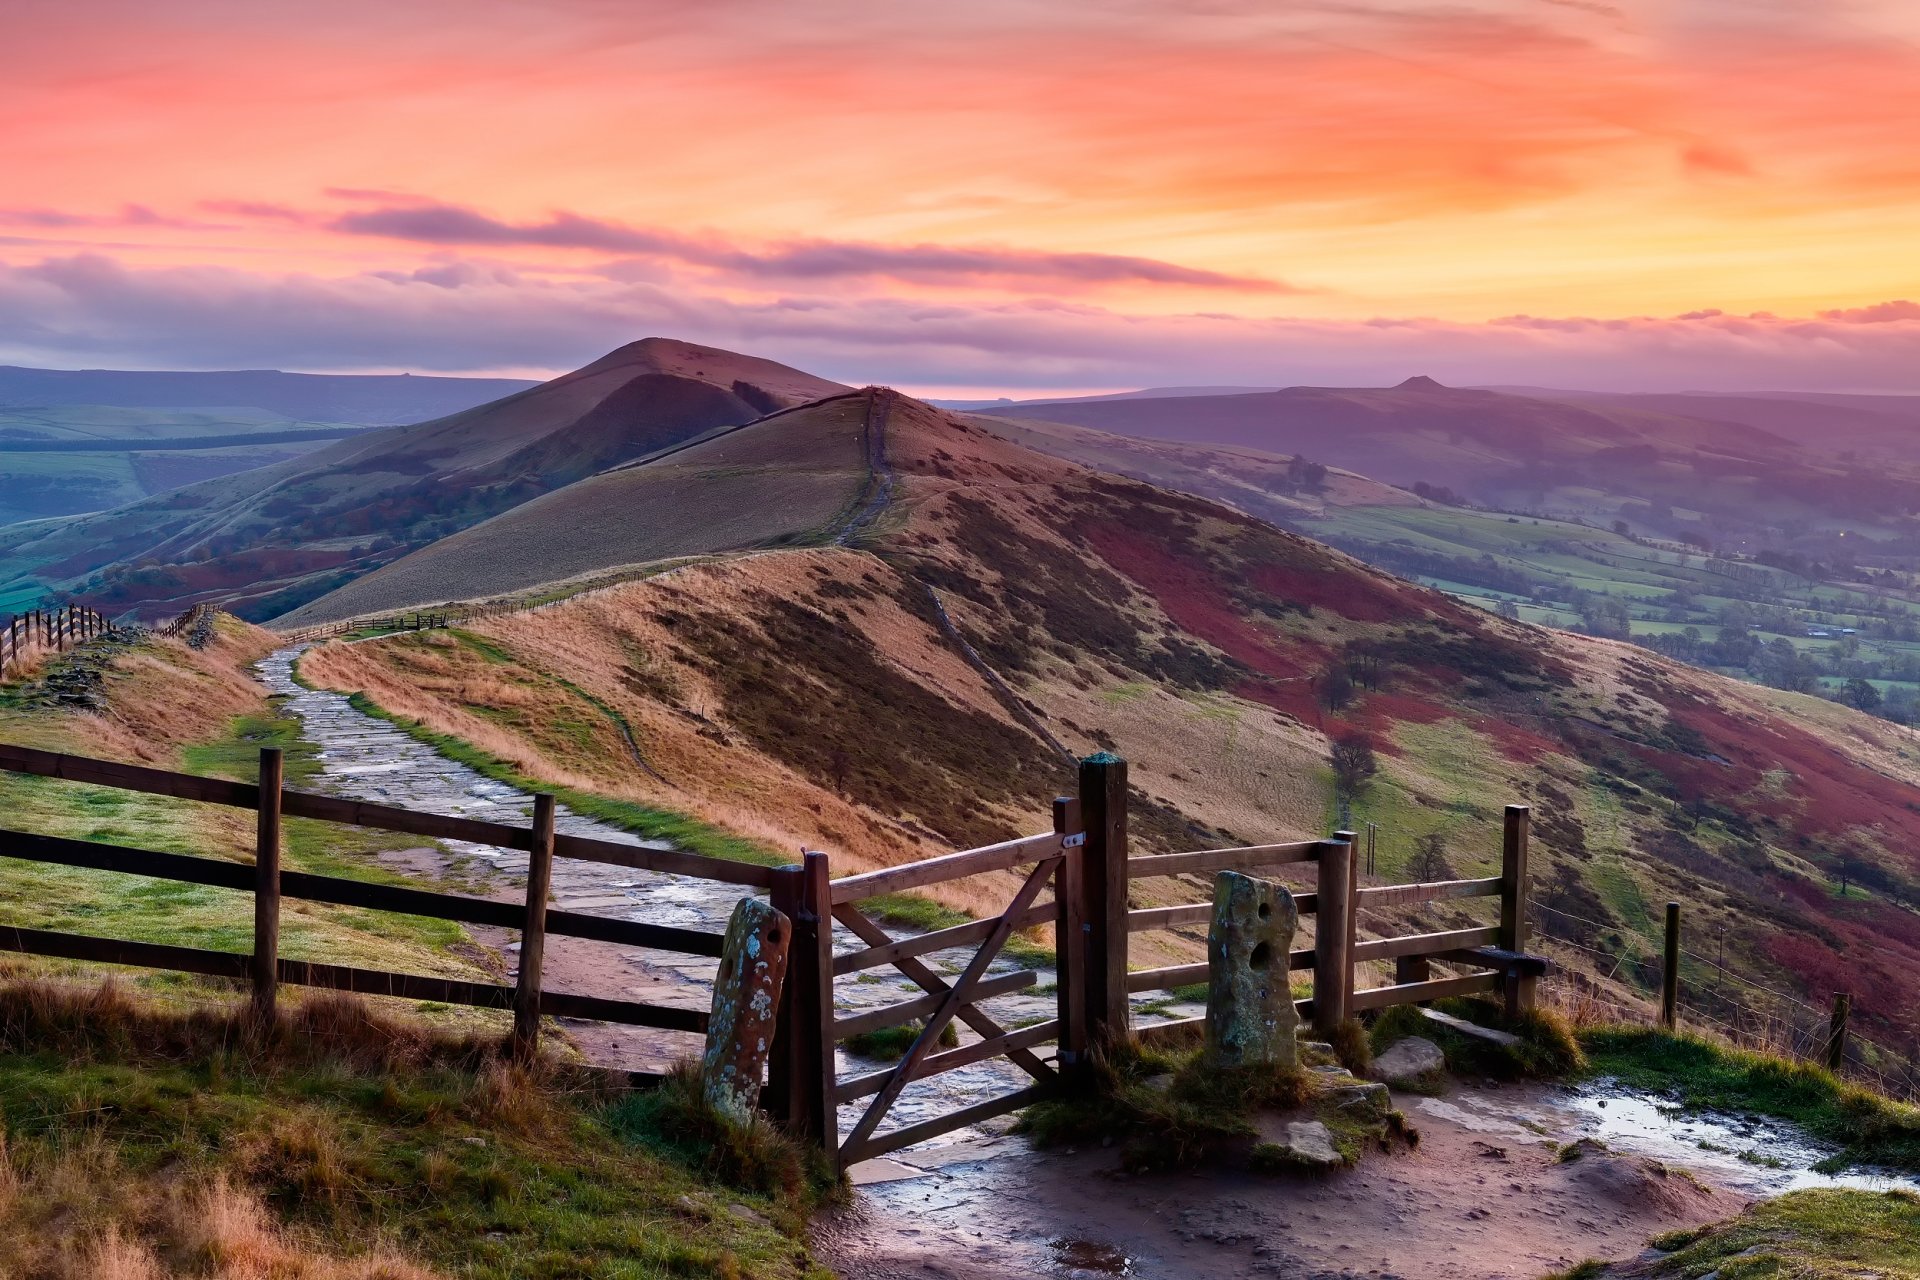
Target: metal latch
x=1073 y=841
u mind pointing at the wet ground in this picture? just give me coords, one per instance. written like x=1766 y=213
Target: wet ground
x=1485 y=1194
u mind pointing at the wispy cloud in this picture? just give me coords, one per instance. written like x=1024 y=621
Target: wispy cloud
x=447 y=224
x=128 y=215
x=93 y=309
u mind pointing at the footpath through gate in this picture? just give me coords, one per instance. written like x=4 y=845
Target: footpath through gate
x=1083 y=867
x=1072 y=881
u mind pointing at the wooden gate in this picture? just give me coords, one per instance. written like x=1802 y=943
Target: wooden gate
x=806 y=1081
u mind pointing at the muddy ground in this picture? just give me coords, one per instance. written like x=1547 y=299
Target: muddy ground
x=1484 y=1195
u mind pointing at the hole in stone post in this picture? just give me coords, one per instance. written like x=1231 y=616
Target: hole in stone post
x=1261 y=957
x=1266 y=909
x=773 y=934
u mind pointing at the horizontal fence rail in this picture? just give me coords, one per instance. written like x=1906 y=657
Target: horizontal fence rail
x=269 y=884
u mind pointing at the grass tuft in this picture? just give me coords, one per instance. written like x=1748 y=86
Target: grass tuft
x=891 y=1043
x=1822 y=1234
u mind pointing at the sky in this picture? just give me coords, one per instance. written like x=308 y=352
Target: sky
x=1001 y=197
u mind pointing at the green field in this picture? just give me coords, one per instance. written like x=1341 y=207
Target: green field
x=1560 y=573
x=121 y=455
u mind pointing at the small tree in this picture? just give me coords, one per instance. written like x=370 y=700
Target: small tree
x=1354 y=764
x=1429 y=861
x=1335 y=686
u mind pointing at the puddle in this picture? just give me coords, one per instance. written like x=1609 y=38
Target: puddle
x=1763 y=1157
x=1078 y=1258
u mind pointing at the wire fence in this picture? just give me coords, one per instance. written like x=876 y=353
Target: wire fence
x=1605 y=985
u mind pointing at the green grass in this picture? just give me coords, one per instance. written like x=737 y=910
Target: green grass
x=686 y=832
x=352 y=1129
x=1810 y=1235
x=891 y=1043
x=1868 y=1129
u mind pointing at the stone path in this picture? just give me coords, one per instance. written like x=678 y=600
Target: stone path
x=367 y=758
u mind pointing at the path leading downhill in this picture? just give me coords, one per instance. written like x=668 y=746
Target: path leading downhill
x=366 y=758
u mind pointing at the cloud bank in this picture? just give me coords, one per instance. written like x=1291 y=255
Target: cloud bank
x=91 y=309
x=445 y=224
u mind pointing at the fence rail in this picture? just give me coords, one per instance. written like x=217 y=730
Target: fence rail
x=266 y=970
x=43 y=630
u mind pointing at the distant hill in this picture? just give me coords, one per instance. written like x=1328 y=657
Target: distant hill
x=364 y=399
x=268 y=540
x=1888 y=425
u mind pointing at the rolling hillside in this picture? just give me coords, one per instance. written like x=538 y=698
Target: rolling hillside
x=786 y=477
x=824 y=697
x=268 y=540
x=1716 y=481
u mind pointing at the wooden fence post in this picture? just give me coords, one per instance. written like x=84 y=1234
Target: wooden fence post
x=1069 y=936
x=817 y=901
x=266 y=887
x=1103 y=881
x=1837 y=1030
x=1333 y=935
x=1516 y=988
x=781 y=1098
x=1670 y=972
x=533 y=935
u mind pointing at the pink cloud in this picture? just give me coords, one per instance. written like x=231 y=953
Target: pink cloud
x=445 y=224
x=92 y=309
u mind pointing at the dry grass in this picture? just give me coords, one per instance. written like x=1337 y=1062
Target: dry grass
x=536 y=690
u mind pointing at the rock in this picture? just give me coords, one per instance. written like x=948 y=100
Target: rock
x=1366 y=1100
x=746 y=1214
x=1310 y=1142
x=1250 y=1015
x=746 y=1000
x=1408 y=1061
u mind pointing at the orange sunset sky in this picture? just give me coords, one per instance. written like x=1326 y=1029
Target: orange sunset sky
x=1001 y=196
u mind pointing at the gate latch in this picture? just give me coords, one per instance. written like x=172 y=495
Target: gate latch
x=1073 y=841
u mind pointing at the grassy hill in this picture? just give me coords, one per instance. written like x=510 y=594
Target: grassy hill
x=821 y=697
x=361 y=399
x=268 y=540
x=787 y=477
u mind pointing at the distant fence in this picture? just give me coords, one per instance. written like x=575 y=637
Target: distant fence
x=419 y=620
x=44 y=630
x=1704 y=997
x=266 y=970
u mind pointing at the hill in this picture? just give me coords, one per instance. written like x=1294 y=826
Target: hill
x=923 y=690
x=269 y=540
x=790 y=476
x=1815 y=420
x=364 y=399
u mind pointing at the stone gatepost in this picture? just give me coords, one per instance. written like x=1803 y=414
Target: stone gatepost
x=746 y=1000
x=1250 y=1015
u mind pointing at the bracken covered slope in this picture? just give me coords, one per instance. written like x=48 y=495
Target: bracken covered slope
x=265 y=541
x=819 y=697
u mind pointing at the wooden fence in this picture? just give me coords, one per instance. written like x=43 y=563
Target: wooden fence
x=263 y=967
x=39 y=630
x=1082 y=864
x=1085 y=862
x=419 y=620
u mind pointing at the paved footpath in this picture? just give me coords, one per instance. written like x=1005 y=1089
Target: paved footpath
x=366 y=758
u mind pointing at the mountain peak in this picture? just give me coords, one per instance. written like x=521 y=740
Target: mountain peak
x=1420 y=382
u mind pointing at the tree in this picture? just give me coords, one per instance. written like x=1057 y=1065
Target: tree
x=1335 y=687
x=1354 y=764
x=1860 y=695
x=1429 y=861
x=1622 y=528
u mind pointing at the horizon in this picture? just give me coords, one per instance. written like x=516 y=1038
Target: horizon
x=1014 y=200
